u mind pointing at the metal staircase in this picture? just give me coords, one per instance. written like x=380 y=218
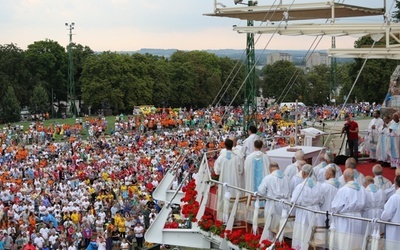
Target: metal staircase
x=186 y=237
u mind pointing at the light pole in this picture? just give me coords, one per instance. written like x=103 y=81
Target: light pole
x=71 y=84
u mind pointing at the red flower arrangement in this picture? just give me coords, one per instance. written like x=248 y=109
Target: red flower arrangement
x=191 y=206
x=208 y=224
x=278 y=245
x=173 y=224
x=251 y=242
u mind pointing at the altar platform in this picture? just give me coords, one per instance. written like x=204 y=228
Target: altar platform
x=285 y=156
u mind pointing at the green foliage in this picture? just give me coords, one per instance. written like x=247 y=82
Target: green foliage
x=48 y=66
x=396 y=13
x=117 y=81
x=79 y=54
x=10 y=108
x=101 y=78
x=14 y=72
x=204 y=79
x=373 y=83
x=284 y=81
x=39 y=102
x=318 y=85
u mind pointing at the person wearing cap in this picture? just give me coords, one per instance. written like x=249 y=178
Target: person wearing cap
x=351 y=129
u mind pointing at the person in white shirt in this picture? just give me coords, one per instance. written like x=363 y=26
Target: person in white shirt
x=293 y=168
x=328 y=189
x=229 y=167
x=358 y=177
x=393 y=141
x=381 y=148
x=72 y=247
x=101 y=242
x=380 y=181
x=374 y=201
x=274 y=185
x=39 y=241
x=256 y=166
x=349 y=200
x=306 y=194
x=329 y=159
x=44 y=231
x=392 y=190
x=391 y=213
x=372 y=136
x=298 y=178
x=124 y=244
x=42 y=210
x=99 y=225
x=248 y=144
x=53 y=238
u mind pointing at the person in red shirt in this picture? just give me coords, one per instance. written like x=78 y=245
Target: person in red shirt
x=351 y=129
x=29 y=246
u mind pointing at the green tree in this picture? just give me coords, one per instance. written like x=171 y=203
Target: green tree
x=122 y=81
x=39 y=101
x=373 y=82
x=161 y=77
x=205 y=78
x=48 y=65
x=232 y=73
x=14 y=71
x=10 y=109
x=284 y=81
x=318 y=85
x=396 y=13
x=79 y=53
x=183 y=86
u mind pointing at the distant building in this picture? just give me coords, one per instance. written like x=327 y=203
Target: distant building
x=278 y=56
x=317 y=58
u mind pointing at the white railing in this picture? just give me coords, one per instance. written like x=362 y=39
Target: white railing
x=314 y=236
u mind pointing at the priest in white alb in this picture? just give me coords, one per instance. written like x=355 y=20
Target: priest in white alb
x=350 y=200
x=229 y=167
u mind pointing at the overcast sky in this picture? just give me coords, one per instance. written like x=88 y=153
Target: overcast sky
x=126 y=25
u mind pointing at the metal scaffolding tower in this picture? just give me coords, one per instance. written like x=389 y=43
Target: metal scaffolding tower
x=71 y=111
x=333 y=75
x=250 y=104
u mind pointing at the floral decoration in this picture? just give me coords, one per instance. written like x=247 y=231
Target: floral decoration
x=218 y=228
x=173 y=224
x=278 y=245
x=191 y=206
x=206 y=222
x=251 y=241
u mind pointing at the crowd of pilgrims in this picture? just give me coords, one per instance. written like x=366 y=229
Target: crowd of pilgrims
x=66 y=194
x=96 y=193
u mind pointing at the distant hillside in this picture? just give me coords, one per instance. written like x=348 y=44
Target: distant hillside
x=297 y=55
